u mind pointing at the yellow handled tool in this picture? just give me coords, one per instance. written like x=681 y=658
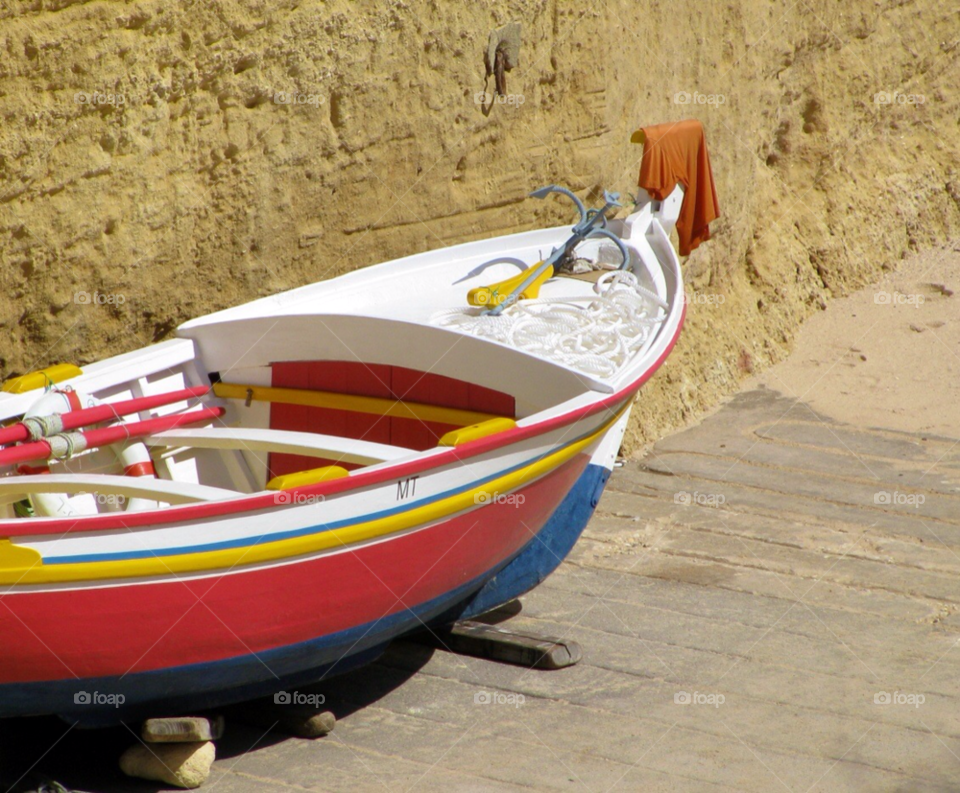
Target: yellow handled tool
x=493 y=295
x=496 y=297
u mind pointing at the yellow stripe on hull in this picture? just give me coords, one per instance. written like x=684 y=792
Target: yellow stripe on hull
x=228 y=558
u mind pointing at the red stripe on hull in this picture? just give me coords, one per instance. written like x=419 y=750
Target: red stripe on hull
x=113 y=631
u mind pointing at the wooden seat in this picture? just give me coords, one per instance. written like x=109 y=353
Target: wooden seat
x=14 y=488
x=307 y=444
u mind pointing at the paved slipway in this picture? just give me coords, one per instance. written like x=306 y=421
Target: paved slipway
x=791 y=573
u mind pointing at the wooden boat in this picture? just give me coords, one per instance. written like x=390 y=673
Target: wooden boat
x=359 y=468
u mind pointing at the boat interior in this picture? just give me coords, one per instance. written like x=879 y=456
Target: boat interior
x=318 y=382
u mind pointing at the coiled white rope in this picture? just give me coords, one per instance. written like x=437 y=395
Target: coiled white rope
x=594 y=334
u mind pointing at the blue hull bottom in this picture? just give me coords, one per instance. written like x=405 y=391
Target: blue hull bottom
x=543 y=554
x=199 y=687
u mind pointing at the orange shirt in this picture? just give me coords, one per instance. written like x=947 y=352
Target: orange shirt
x=677 y=152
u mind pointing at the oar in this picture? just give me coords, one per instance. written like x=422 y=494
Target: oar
x=87 y=416
x=60 y=446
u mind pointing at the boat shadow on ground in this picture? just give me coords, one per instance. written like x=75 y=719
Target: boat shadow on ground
x=36 y=751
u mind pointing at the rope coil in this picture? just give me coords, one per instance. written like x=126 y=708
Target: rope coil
x=65 y=446
x=39 y=427
x=594 y=334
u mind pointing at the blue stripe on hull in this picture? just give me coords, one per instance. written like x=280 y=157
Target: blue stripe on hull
x=198 y=687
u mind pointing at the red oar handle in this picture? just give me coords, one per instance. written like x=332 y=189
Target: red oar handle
x=137 y=429
x=111 y=410
x=13 y=433
x=74 y=420
x=38 y=450
x=79 y=441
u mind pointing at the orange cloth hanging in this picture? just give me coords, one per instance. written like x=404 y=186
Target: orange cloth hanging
x=677 y=152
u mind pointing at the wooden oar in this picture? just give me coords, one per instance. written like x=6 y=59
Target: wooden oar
x=84 y=417
x=76 y=442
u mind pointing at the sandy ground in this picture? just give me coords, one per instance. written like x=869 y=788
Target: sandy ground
x=886 y=356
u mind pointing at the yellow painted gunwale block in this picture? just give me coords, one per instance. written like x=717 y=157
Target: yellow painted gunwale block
x=474 y=432
x=42 y=377
x=305 y=478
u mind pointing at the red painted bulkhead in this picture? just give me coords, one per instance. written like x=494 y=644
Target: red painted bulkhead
x=372 y=380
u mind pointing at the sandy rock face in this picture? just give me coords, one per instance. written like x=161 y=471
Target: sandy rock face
x=159 y=160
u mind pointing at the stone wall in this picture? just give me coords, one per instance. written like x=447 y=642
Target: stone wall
x=146 y=161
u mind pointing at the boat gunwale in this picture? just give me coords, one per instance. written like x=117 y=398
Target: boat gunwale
x=255 y=502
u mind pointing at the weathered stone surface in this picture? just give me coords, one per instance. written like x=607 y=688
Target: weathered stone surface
x=183 y=729
x=185 y=765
